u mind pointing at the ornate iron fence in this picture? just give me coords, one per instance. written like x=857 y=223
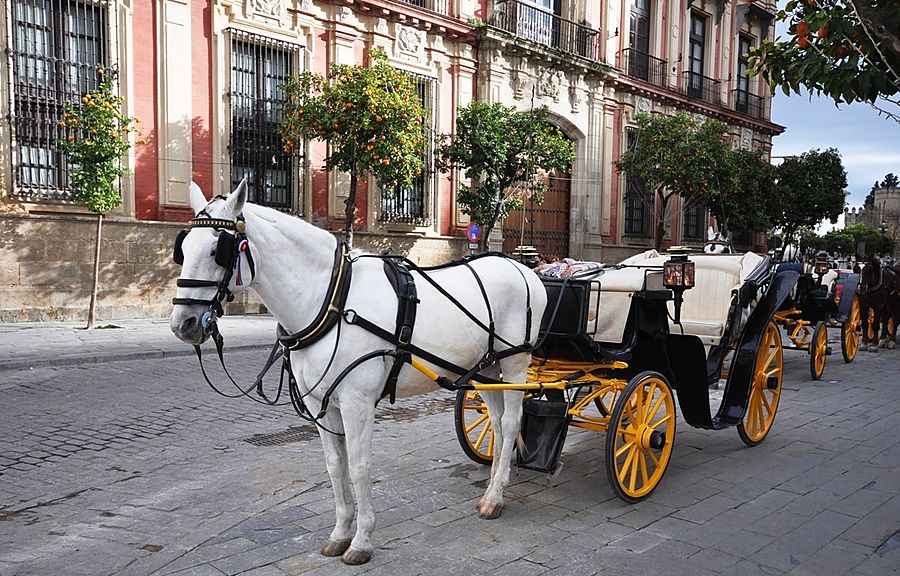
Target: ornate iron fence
x=701 y=87
x=439 y=6
x=543 y=27
x=644 y=67
x=748 y=103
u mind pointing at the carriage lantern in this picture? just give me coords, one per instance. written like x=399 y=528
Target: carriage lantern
x=821 y=268
x=678 y=276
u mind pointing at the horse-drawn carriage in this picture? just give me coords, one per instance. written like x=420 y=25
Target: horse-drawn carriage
x=823 y=297
x=617 y=343
x=601 y=352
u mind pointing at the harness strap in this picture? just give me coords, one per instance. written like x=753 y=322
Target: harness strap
x=492 y=333
x=332 y=307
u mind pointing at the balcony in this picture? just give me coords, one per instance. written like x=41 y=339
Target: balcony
x=642 y=66
x=701 y=87
x=439 y=6
x=750 y=104
x=543 y=27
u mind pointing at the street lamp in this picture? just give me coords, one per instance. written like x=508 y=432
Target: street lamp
x=678 y=276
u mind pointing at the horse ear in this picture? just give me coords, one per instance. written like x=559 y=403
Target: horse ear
x=197 y=200
x=235 y=202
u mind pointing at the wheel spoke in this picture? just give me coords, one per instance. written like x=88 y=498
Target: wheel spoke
x=627 y=445
x=634 y=470
x=643 y=462
x=764 y=402
x=648 y=396
x=652 y=412
x=481 y=436
x=663 y=420
x=477 y=421
x=623 y=472
x=653 y=458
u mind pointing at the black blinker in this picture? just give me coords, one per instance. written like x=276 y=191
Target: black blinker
x=225 y=250
x=178 y=254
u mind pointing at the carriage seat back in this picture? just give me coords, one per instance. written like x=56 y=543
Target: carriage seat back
x=704 y=312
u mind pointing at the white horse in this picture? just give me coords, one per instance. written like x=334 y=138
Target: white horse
x=293 y=266
x=717 y=243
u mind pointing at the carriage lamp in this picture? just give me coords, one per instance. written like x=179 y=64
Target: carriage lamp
x=821 y=267
x=678 y=276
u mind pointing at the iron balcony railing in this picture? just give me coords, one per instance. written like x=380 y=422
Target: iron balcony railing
x=748 y=103
x=543 y=27
x=701 y=87
x=643 y=66
x=439 y=6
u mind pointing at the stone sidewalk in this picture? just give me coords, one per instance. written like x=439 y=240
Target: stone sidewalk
x=137 y=468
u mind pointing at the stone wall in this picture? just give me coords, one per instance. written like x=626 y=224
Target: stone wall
x=46 y=267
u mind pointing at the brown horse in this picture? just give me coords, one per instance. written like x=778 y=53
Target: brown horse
x=879 y=291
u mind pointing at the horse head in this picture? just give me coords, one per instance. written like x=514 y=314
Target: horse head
x=717 y=243
x=212 y=267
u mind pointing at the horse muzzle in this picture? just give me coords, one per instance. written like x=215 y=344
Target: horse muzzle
x=192 y=324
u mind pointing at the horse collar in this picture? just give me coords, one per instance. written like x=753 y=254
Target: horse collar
x=332 y=308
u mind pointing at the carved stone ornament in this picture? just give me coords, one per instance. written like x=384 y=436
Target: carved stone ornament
x=437 y=42
x=409 y=40
x=517 y=83
x=674 y=30
x=548 y=83
x=643 y=105
x=381 y=26
x=574 y=92
x=305 y=5
x=344 y=13
x=746 y=139
x=267 y=7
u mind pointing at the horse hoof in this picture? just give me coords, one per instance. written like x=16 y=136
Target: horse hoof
x=356 y=557
x=873 y=348
x=490 y=511
x=891 y=345
x=334 y=548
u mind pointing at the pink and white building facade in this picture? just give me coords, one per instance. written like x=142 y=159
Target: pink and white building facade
x=203 y=77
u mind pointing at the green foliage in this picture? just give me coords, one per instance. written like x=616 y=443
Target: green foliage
x=809 y=188
x=850 y=53
x=891 y=180
x=743 y=200
x=679 y=155
x=371 y=117
x=502 y=149
x=845 y=241
x=98 y=139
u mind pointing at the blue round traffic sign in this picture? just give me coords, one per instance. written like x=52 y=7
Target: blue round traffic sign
x=473 y=232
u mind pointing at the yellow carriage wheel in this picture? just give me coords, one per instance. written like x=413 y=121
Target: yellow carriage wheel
x=640 y=436
x=850 y=332
x=473 y=427
x=818 y=351
x=765 y=391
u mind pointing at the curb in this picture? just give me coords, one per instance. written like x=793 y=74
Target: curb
x=28 y=363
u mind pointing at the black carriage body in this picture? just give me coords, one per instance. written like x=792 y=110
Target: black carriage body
x=649 y=344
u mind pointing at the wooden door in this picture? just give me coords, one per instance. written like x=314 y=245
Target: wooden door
x=544 y=226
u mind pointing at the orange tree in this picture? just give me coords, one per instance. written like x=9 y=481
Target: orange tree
x=502 y=149
x=846 y=49
x=371 y=118
x=97 y=139
x=678 y=155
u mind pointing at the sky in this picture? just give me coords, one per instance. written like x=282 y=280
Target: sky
x=869 y=144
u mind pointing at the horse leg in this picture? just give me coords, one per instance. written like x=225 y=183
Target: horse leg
x=359 y=422
x=336 y=463
x=507 y=411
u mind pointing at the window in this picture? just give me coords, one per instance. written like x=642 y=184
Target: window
x=638 y=204
x=694 y=221
x=259 y=66
x=408 y=205
x=639 y=40
x=696 y=52
x=742 y=96
x=537 y=22
x=56 y=47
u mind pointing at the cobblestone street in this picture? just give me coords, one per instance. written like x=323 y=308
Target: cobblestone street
x=136 y=468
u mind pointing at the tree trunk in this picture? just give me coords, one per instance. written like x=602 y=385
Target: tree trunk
x=661 y=220
x=489 y=226
x=93 y=305
x=350 y=207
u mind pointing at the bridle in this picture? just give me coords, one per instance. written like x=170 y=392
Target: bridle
x=229 y=249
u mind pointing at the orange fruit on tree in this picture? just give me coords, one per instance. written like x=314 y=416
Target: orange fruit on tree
x=802 y=28
x=803 y=42
x=822 y=32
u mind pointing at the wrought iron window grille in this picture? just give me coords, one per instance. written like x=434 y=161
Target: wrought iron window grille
x=55 y=48
x=637 y=203
x=260 y=66
x=409 y=204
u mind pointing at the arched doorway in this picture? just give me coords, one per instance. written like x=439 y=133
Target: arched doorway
x=544 y=226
